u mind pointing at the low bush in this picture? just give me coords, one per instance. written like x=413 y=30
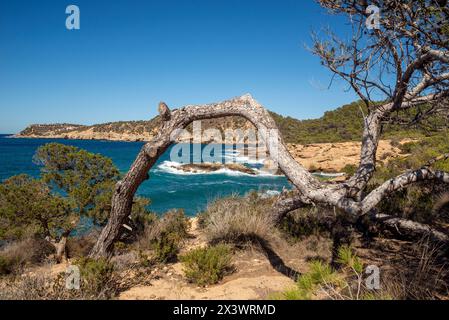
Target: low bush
x=44 y=286
x=78 y=247
x=97 y=278
x=307 y=285
x=307 y=221
x=238 y=220
x=5 y=265
x=17 y=255
x=166 y=247
x=164 y=235
x=205 y=266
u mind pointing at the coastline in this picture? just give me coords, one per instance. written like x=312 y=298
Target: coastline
x=320 y=158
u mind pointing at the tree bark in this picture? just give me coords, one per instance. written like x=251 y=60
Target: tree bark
x=409 y=229
x=244 y=106
x=309 y=188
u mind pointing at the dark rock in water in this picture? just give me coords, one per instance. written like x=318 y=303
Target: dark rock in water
x=212 y=167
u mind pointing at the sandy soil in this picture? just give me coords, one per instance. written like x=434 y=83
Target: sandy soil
x=258 y=273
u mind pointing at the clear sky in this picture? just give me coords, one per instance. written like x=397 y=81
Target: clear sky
x=128 y=55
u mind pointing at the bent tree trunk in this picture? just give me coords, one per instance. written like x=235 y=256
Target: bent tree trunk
x=311 y=190
x=173 y=122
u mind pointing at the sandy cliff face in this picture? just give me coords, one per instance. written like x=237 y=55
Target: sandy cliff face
x=333 y=157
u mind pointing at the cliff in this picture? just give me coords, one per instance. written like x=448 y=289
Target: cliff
x=340 y=125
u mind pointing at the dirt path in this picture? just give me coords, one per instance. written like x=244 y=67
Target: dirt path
x=257 y=275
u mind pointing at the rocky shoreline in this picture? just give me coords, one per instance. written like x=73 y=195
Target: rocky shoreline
x=318 y=157
x=207 y=167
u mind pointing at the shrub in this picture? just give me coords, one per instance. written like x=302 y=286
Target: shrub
x=349 y=169
x=306 y=221
x=347 y=258
x=47 y=287
x=237 y=220
x=15 y=256
x=166 y=247
x=5 y=265
x=38 y=287
x=308 y=283
x=78 y=247
x=205 y=266
x=164 y=235
x=97 y=277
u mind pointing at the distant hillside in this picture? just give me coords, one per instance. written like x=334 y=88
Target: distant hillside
x=340 y=125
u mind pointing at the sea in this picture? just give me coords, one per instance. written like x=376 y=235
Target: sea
x=169 y=187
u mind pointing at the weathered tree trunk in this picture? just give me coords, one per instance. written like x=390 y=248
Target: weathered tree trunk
x=409 y=229
x=244 y=106
x=310 y=189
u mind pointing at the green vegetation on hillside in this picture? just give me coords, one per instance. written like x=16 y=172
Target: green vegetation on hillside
x=339 y=125
x=346 y=124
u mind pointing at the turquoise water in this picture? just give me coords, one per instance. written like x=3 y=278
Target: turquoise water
x=167 y=187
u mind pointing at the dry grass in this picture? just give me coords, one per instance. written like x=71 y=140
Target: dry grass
x=15 y=256
x=238 y=220
x=421 y=276
x=46 y=287
x=417 y=271
x=426 y=277
x=30 y=287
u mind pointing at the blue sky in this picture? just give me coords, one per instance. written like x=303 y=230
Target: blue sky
x=129 y=55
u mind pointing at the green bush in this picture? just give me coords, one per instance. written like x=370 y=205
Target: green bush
x=348 y=259
x=205 y=266
x=97 y=277
x=349 y=169
x=415 y=202
x=164 y=235
x=166 y=248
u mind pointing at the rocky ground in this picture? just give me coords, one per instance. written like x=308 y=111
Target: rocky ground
x=333 y=157
x=257 y=275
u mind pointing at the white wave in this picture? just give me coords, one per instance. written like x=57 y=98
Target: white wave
x=243 y=159
x=248 y=160
x=172 y=167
